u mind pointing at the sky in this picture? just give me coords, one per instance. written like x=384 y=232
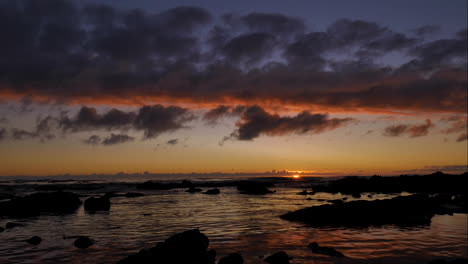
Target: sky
x=321 y=87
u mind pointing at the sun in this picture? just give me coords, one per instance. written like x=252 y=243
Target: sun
x=296 y=176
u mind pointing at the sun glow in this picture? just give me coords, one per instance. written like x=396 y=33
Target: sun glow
x=296 y=176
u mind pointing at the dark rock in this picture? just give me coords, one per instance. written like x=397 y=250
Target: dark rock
x=344 y=198
x=251 y=187
x=338 y=201
x=83 y=242
x=12 y=225
x=35 y=240
x=304 y=192
x=356 y=195
x=2 y=229
x=193 y=190
x=186 y=247
x=234 y=258
x=97 y=204
x=451 y=261
x=278 y=258
x=329 y=251
x=403 y=210
x=133 y=194
x=309 y=199
x=369 y=196
x=433 y=183
x=213 y=191
x=39 y=203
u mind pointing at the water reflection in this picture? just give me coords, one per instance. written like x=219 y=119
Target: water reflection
x=234 y=223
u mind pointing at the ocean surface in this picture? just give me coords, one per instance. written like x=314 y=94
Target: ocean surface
x=233 y=222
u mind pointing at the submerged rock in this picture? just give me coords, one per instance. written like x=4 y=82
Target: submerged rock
x=39 y=203
x=213 y=191
x=83 y=242
x=193 y=190
x=250 y=187
x=186 y=247
x=329 y=251
x=97 y=204
x=278 y=258
x=403 y=210
x=234 y=258
x=35 y=240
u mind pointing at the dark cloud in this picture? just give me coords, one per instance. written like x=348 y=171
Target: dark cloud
x=410 y=130
x=426 y=30
x=255 y=122
x=89 y=119
x=3 y=133
x=213 y=115
x=93 y=140
x=63 y=51
x=462 y=137
x=172 y=141
x=117 y=139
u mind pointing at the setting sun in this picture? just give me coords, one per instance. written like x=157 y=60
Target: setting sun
x=296 y=176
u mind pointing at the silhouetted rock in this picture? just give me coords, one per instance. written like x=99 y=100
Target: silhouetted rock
x=369 y=196
x=12 y=225
x=83 y=242
x=329 y=251
x=38 y=203
x=194 y=189
x=403 y=210
x=133 y=194
x=251 y=187
x=433 y=183
x=278 y=258
x=35 y=240
x=97 y=204
x=234 y=258
x=356 y=195
x=2 y=229
x=304 y=192
x=186 y=247
x=213 y=191
x=338 y=201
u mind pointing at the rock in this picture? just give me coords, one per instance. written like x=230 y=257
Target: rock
x=309 y=199
x=12 y=225
x=403 y=210
x=278 y=258
x=133 y=194
x=250 y=187
x=83 y=242
x=97 y=204
x=234 y=258
x=2 y=229
x=451 y=261
x=329 y=251
x=338 y=201
x=304 y=192
x=35 y=240
x=213 y=191
x=193 y=190
x=39 y=203
x=186 y=247
x=356 y=195
x=369 y=196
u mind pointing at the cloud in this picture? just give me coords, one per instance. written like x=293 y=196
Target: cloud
x=3 y=133
x=255 y=122
x=117 y=139
x=213 y=115
x=462 y=137
x=426 y=30
x=61 y=51
x=89 y=119
x=172 y=141
x=92 y=140
x=411 y=130
x=458 y=124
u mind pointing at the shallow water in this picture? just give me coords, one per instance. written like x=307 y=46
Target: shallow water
x=234 y=223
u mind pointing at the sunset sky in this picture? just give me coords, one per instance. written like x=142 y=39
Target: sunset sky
x=324 y=87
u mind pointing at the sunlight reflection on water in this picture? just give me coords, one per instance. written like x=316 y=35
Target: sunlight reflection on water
x=233 y=223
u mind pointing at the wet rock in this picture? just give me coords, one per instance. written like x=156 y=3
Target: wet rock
x=12 y=225
x=234 y=258
x=304 y=192
x=278 y=258
x=329 y=251
x=309 y=199
x=35 y=240
x=39 y=203
x=250 y=187
x=338 y=201
x=186 y=247
x=133 y=194
x=83 y=242
x=213 y=191
x=194 y=189
x=356 y=195
x=403 y=210
x=97 y=204
x=369 y=196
